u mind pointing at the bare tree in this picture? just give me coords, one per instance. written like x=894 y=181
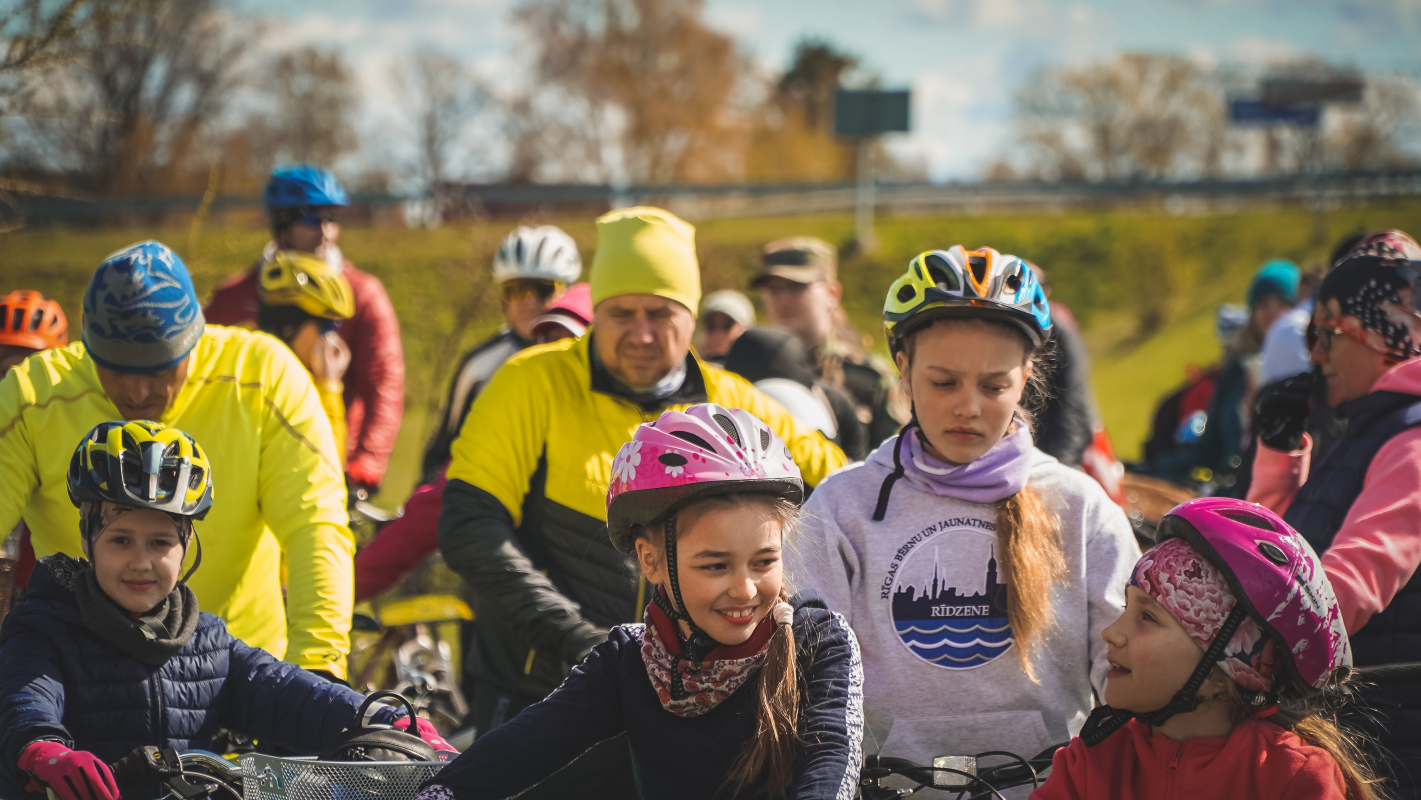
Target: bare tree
x=665 y=81
x=443 y=97
x=1365 y=136
x=314 y=99
x=792 y=138
x=33 y=32
x=1138 y=115
x=143 y=83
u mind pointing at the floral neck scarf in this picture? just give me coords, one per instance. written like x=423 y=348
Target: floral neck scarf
x=707 y=683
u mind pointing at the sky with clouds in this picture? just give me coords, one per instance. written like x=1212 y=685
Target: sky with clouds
x=963 y=59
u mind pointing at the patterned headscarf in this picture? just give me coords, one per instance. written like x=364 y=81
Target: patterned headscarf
x=1369 y=294
x=1195 y=592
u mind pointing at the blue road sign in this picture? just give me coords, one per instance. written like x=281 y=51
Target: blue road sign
x=1256 y=112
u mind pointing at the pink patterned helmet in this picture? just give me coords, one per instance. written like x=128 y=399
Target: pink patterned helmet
x=1275 y=575
x=688 y=455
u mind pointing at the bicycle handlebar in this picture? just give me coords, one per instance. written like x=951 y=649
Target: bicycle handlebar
x=1389 y=674
x=978 y=783
x=178 y=772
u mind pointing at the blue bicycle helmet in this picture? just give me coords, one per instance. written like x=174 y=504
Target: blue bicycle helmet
x=303 y=185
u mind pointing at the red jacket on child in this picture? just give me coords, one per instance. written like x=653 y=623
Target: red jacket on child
x=1257 y=761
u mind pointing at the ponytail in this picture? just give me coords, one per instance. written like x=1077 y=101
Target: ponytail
x=767 y=760
x=1032 y=562
x=1029 y=550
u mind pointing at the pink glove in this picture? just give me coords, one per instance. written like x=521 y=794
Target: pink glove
x=427 y=732
x=72 y=774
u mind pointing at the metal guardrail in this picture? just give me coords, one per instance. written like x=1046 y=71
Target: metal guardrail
x=728 y=200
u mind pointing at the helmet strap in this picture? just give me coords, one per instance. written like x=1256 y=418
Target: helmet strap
x=886 y=489
x=1105 y=720
x=699 y=643
x=197 y=562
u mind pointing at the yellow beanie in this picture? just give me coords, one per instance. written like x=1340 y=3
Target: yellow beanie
x=646 y=250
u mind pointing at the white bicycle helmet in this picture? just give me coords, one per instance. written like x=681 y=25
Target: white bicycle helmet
x=542 y=253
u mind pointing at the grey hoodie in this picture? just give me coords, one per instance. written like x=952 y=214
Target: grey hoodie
x=922 y=591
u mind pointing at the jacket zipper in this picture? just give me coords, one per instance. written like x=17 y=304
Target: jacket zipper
x=1172 y=774
x=160 y=736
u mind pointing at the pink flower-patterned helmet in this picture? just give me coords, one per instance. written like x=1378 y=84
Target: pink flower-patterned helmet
x=688 y=455
x=1275 y=575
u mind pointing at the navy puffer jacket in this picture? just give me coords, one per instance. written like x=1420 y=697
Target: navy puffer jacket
x=58 y=681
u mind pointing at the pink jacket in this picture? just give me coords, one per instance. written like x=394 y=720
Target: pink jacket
x=1378 y=547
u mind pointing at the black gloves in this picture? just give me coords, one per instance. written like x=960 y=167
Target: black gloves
x=1280 y=415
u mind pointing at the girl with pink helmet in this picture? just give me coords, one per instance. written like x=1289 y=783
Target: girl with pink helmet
x=729 y=688
x=1221 y=670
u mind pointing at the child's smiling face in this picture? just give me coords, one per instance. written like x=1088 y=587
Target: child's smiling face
x=1151 y=656
x=729 y=566
x=137 y=556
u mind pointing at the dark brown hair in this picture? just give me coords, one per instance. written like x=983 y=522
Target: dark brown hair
x=1315 y=722
x=1031 y=557
x=766 y=763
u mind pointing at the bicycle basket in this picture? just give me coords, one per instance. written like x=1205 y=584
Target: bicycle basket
x=272 y=778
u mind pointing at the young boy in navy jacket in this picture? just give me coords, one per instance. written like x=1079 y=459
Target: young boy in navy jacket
x=109 y=654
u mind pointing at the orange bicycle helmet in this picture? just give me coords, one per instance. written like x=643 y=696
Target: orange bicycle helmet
x=29 y=319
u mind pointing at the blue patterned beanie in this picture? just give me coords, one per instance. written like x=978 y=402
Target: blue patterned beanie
x=141 y=313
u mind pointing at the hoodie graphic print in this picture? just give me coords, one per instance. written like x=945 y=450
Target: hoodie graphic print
x=924 y=591
x=950 y=612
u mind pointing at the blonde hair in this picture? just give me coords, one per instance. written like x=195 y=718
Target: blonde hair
x=1315 y=722
x=1032 y=558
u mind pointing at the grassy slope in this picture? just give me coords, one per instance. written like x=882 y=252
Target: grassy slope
x=1106 y=266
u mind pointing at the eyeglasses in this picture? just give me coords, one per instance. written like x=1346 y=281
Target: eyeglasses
x=519 y=288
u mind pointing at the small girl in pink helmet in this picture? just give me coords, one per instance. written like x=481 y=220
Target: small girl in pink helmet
x=731 y=688
x=1221 y=668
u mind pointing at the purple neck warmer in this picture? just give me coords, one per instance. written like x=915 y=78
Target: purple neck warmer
x=996 y=475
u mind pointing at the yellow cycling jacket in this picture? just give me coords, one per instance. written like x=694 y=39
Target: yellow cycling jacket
x=524 y=513
x=277 y=484
x=332 y=395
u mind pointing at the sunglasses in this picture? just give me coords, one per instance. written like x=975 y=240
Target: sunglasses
x=720 y=324
x=522 y=287
x=316 y=219
x=1323 y=334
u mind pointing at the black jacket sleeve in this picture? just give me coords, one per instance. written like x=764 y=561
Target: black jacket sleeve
x=830 y=750
x=547 y=736
x=477 y=539
x=279 y=702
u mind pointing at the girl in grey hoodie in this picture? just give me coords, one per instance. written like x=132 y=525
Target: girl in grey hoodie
x=976 y=570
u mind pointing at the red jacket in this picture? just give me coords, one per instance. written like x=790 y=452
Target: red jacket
x=1257 y=761
x=402 y=544
x=375 y=381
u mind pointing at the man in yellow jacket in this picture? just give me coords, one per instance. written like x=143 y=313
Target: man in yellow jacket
x=146 y=353
x=524 y=514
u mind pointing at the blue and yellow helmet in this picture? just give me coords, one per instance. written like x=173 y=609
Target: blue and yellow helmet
x=144 y=465
x=966 y=284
